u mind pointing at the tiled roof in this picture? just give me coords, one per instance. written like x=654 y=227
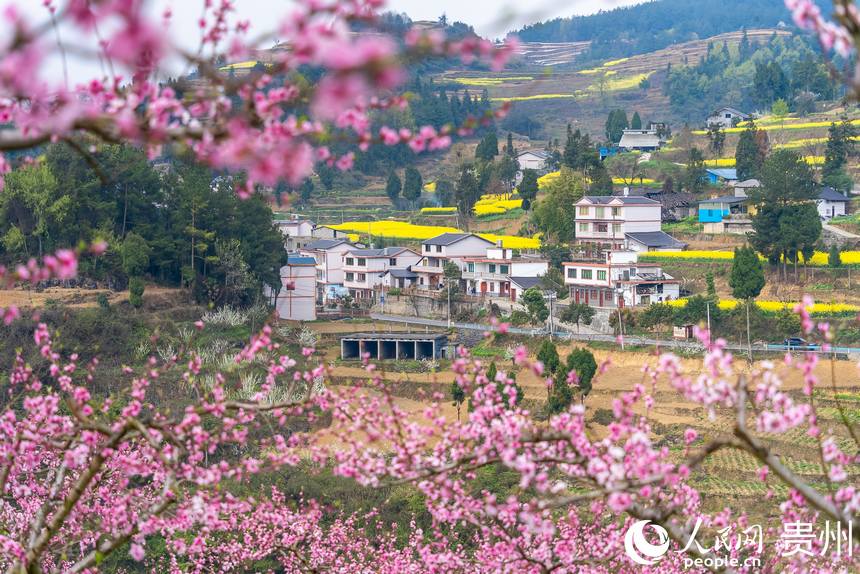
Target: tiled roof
x=449 y=238
x=325 y=243
x=655 y=239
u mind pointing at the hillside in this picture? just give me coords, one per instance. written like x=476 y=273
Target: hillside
x=583 y=97
x=654 y=25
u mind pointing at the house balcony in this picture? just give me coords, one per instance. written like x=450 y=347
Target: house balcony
x=481 y=276
x=428 y=269
x=586 y=235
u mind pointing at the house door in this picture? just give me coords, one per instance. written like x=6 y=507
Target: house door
x=483 y=287
x=513 y=294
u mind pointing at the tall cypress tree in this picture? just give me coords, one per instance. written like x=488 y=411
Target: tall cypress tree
x=412 y=183
x=393 y=187
x=748 y=154
x=636 y=122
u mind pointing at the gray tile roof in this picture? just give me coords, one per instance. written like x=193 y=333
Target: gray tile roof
x=639 y=140
x=830 y=194
x=384 y=252
x=735 y=111
x=526 y=282
x=325 y=243
x=403 y=273
x=655 y=239
x=725 y=199
x=449 y=238
x=625 y=199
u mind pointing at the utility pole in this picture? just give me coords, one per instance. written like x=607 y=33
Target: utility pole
x=749 y=344
x=709 y=317
x=621 y=327
x=551 y=297
x=448 y=284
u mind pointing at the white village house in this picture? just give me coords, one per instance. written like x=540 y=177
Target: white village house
x=726 y=117
x=364 y=269
x=297 y=232
x=619 y=280
x=621 y=222
x=328 y=255
x=532 y=159
x=493 y=274
x=439 y=250
x=642 y=140
x=831 y=203
x=296 y=298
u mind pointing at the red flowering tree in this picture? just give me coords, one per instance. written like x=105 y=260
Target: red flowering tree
x=83 y=476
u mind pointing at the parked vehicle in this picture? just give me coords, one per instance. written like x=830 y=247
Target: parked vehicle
x=798 y=343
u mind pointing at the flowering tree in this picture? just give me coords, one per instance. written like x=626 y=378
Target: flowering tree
x=83 y=476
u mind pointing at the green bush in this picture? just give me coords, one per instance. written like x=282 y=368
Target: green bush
x=135 y=292
x=519 y=318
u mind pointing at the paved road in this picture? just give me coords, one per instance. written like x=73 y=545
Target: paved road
x=839 y=231
x=630 y=340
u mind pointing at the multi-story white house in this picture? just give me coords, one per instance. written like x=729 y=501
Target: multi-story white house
x=296 y=299
x=328 y=254
x=364 y=269
x=610 y=222
x=443 y=248
x=619 y=280
x=297 y=232
x=493 y=274
x=326 y=232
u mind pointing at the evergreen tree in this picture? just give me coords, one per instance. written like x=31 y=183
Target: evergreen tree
x=535 y=304
x=445 y=192
x=488 y=147
x=834 y=258
x=582 y=362
x=458 y=395
x=636 y=121
x=467 y=191
x=695 y=174
x=548 y=355
x=306 y=190
x=616 y=123
x=510 y=146
x=412 y=184
x=528 y=188
x=747 y=275
x=749 y=156
x=326 y=174
x=393 y=187
x=716 y=139
x=840 y=145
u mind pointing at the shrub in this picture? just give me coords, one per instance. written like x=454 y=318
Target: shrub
x=135 y=292
x=519 y=318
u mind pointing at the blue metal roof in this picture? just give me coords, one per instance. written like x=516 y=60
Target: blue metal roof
x=724 y=172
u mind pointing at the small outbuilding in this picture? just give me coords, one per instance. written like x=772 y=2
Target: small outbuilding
x=394 y=346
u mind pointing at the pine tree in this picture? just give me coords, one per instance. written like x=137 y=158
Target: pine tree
x=582 y=362
x=636 y=121
x=510 y=147
x=548 y=355
x=528 y=188
x=834 y=258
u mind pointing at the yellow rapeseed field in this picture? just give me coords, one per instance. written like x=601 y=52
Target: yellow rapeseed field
x=490 y=82
x=778 y=306
x=779 y=126
x=534 y=97
x=404 y=230
x=438 y=210
x=819 y=259
x=730 y=161
x=545 y=180
x=614 y=62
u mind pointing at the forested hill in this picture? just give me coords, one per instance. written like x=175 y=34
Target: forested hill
x=654 y=25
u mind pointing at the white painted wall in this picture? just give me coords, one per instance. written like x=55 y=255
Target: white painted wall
x=298 y=303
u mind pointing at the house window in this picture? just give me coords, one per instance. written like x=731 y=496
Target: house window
x=601 y=275
x=350 y=276
x=602 y=227
x=392 y=262
x=728 y=116
x=438 y=249
x=583 y=227
x=503 y=269
x=616 y=228
x=616 y=211
x=586 y=274
x=470 y=267
x=571 y=272
x=427 y=248
x=583 y=211
x=349 y=260
x=361 y=262
x=361 y=277
x=492 y=267
x=599 y=213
